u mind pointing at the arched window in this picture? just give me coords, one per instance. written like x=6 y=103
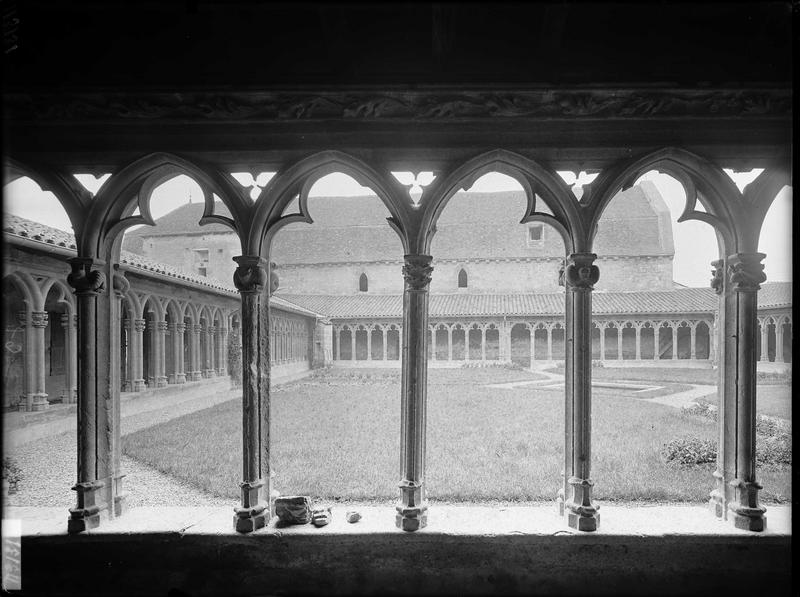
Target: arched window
x=462 y=279
x=363 y=283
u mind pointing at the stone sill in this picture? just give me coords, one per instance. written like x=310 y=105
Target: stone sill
x=624 y=522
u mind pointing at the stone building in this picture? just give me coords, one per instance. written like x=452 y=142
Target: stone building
x=174 y=326
x=495 y=293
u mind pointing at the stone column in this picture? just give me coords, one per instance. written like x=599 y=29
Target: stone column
x=68 y=322
x=161 y=354
x=745 y=274
x=779 y=341
x=449 y=343
x=336 y=346
x=638 y=329
x=502 y=341
x=137 y=355
x=180 y=365
x=602 y=328
x=385 y=336
x=197 y=370
x=674 y=342
x=412 y=509
x=251 y=277
x=29 y=369
x=466 y=342
x=369 y=344
x=580 y=275
x=222 y=343
x=353 y=343
x=619 y=343
x=656 y=343
x=211 y=332
x=549 y=343
x=483 y=344
x=693 y=343
x=95 y=488
x=764 y=341
x=39 y=321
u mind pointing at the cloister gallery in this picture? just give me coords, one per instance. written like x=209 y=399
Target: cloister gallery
x=452 y=91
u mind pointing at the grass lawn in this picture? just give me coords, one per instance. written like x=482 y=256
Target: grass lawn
x=337 y=436
x=774 y=400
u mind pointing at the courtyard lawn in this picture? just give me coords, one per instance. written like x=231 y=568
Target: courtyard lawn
x=774 y=400
x=336 y=436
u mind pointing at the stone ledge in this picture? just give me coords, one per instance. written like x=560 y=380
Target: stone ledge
x=676 y=550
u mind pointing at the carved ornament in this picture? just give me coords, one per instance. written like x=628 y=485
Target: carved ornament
x=434 y=104
x=250 y=275
x=417 y=271
x=83 y=278
x=581 y=271
x=121 y=284
x=717 y=280
x=746 y=272
x=39 y=319
x=139 y=324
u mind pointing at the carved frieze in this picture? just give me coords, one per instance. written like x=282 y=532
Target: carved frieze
x=417 y=271
x=435 y=104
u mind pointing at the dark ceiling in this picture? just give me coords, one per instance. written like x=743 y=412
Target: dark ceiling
x=78 y=44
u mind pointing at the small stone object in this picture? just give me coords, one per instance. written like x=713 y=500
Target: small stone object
x=321 y=516
x=294 y=509
x=353 y=516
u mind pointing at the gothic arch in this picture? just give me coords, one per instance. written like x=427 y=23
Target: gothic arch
x=296 y=181
x=27 y=287
x=534 y=179
x=132 y=185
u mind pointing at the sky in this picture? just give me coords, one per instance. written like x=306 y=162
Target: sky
x=695 y=242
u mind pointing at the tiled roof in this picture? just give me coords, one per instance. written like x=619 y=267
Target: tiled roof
x=14 y=226
x=668 y=302
x=354 y=229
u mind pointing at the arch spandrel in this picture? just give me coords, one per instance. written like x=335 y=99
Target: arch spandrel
x=131 y=186
x=72 y=196
x=296 y=181
x=534 y=179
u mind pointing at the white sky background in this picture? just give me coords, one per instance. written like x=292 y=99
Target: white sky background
x=695 y=242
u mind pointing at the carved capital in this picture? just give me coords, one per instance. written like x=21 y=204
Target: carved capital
x=22 y=316
x=83 y=278
x=251 y=274
x=39 y=319
x=161 y=326
x=180 y=327
x=746 y=272
x=197 y=328
x=718 y=280
x=139 y=325
x=67 y=320
x=121 y=284
x=417 y=271
x=580 y=271
x=211 y=329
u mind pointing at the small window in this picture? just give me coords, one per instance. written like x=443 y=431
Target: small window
x=536 y=232
x=462 y=279
x=201 y=271
x=363 y=283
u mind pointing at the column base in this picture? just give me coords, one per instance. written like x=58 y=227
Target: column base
x=180 y=378
x=717 y=505
x=86 y=515
x=83 y=519
x=120 y=496
x=209 y=373
x=747 y=514
x=196 y=376
x=139 y=385
x=583 y=521
x=39 y=402
x=411 y=519
x=753 y=520
x=560 y=502
x=127 y=387
x=161 y=382
x=248 y=520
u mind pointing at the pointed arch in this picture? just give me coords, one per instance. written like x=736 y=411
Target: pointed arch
x=534 y=179
x=463 y=281
x=363 y=282
x=27 y=287
x=132 y=185
x=297 y=180
x=65 y=296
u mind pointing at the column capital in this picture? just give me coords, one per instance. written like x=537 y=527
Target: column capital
x=67 y=320
x=83 y=278
x=746 y=272
x=211 y=329
x=718 y=275
x=180 y=327
x=121 y=284
x=22 y=316
x=139 y=324
x=39 y=319
x=250 y=274
x=197 y=328
x=580 y=271
x=161 y=326
x=417 y=271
